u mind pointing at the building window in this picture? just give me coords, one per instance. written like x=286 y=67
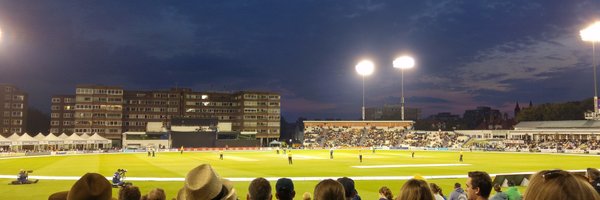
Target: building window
x=17 y=114
x=17 y=122
x=19 y=97
x=55 y=100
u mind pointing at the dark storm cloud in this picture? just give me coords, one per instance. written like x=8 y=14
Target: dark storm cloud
x=468 y=53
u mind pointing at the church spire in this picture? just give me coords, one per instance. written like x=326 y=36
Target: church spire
x=530 y=103
x=517 y=109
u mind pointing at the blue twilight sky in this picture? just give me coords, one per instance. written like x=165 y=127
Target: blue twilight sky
x=468 y=53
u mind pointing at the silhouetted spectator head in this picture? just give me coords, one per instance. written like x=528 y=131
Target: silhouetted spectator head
x=155 y=194
x=510 y=183
x=203 y=183
x=479 y=184
x=285 y=189
x=349 y=189
x=497 y=188
x=259 y=189
x=306 y=196
x=129 y=192
x=559 y=184
x=436 y=189
x=329 y=189
x=415 y=189
x=385 y=192
x=456 y=185
x=592 y=174
x=92 y=186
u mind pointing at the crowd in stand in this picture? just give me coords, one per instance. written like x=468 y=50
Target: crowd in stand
x=203 y=183
x=570 y=144
x=347 y=137
x=433 y=140
x=562 y=144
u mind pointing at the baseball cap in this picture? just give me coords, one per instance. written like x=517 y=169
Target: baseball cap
x=284 y=184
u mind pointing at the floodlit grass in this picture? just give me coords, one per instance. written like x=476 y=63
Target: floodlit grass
x=251 y=164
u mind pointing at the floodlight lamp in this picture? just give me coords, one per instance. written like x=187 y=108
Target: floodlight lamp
x=591 y=33
x=404 y=62
x=365 y=67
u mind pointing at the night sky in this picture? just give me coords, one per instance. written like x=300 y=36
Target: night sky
x=468 y=53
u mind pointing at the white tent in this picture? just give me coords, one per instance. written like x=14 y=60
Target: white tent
x=63 y=136
x=75 y=139
x=84 y=136
x=99 y=139
x=76 y=142
x=13 y=140
x=4 y=141
x=53 y=142
x=40 y=138
x=25 y=139
x=52 y=139
x=13 y=137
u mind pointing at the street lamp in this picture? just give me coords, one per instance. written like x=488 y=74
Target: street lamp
x=403 y=62
x=592 y=34
x=364 y=68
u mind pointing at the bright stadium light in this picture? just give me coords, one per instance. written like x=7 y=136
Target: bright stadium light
x=592 y=34
x=364 y=68
x=402 y=63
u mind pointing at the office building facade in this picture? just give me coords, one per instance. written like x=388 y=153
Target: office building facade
x=111 y=111
x=13 y=109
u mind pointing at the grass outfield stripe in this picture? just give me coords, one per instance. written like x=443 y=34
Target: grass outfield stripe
x=242 y=179
x=408 y=165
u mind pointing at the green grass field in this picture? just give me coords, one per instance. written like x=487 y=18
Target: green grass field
x=251 y=164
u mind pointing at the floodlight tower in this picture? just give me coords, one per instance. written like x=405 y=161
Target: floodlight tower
x=364 y=68
x=592 y=34
x=402 y=63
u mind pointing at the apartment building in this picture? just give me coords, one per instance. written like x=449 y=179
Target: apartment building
x=259 y=112
x=13 y=109
x=99 y=109
x=141 y=107
x=62 y=114
x=110 y=111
